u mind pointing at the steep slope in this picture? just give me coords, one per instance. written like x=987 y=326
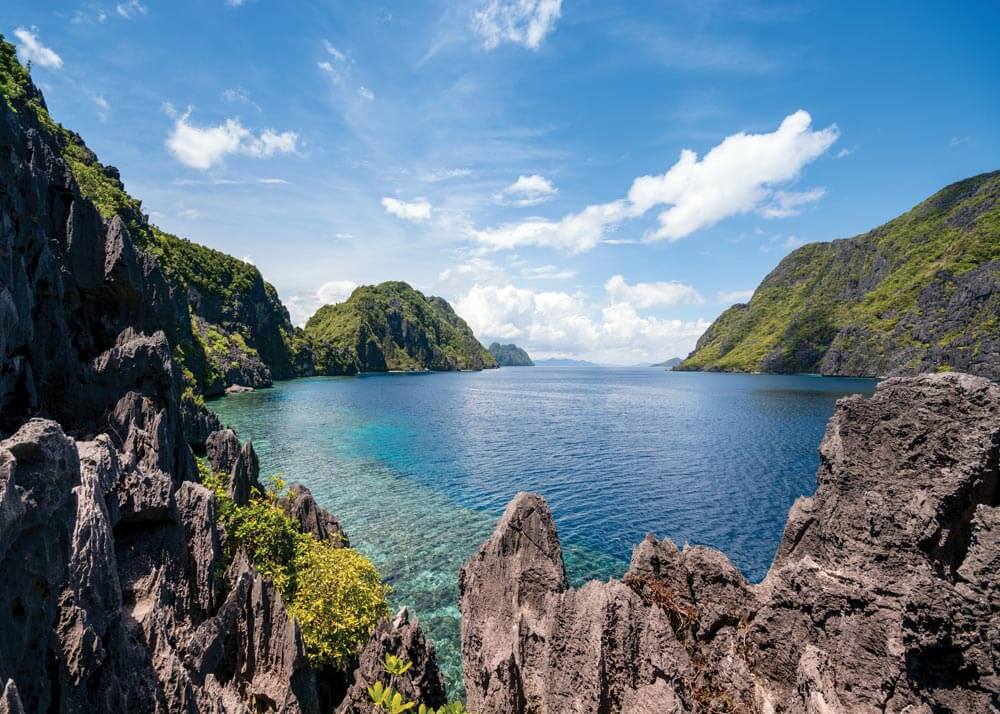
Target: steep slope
x=918 y=294
x=510 y=356
x=390 y=327
x=238 y=331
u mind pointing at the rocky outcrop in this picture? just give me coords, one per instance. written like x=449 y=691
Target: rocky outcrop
x=300 y=505
x=882 y=596
x=421 y=683
x=239 y=462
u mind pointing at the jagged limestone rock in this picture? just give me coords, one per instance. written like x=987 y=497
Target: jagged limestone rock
x=882 y=596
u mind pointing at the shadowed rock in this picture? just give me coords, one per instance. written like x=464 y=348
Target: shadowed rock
x=422 y=683
x=883 y=595
x=300 y=505
x=239 y=462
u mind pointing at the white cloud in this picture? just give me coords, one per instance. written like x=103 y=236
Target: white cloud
x=643 y=295
x=549 y=321
x=334 y=52
x=326 y=67
x=366 y=93
x=189 y=213
x=103 y=107
x=521 y=22
x=436 y=176
x=787 y=203
x=624 y=327
x=563 y=323
x=527 y=191
x=419 y=210
x=273 y=181
x=844 y=153
x=235 y=3
x=547 y=272
x=130 y=9
x=729 y=297
x=31 y=49
x=335 y=291
x=740 y=175
x=957 y=141
x=204 y=147
x=302 y=307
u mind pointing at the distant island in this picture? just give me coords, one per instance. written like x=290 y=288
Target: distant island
x=510 y=355
x=918 y=294
x=562 y=362
x=668 y=364
x=391 y=327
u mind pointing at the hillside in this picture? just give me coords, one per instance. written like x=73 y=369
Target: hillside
x=236 y=331
x=390 y=327
x=668 y=364
x=918 y=294
x=510 y=355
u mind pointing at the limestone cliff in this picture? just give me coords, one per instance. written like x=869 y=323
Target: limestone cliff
x=114 y=593
x=883 y=597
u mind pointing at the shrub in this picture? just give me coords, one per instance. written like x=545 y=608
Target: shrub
x=339 y=598
x=336 y=594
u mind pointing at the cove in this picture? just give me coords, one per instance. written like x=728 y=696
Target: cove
x=418 y=467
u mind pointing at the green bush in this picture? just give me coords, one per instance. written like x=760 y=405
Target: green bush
x=335 y=594
x=339 y=598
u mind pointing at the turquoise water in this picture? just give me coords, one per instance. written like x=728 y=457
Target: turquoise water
x=418 y=467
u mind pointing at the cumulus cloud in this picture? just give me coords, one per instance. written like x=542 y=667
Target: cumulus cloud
x=419 y=210
x=552 y=322
x=729 y=297
x=204 y=147
x=302 y=307
x=31 y=49
x=740 y=175
x=365 y=93
x=643 y=295
x=521 y=22
x=527 y=191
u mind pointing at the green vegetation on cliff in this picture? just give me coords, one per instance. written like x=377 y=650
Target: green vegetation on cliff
x=918 y=294
x=241 y=333
x=510 y=356
x=389 y=327
x=335 y=594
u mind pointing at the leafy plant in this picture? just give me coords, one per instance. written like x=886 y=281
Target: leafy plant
x=396 y=666
x=336 y=594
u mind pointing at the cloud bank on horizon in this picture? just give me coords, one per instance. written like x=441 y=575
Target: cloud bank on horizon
x=595 y=180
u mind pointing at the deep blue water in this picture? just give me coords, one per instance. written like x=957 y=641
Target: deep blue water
x=418 y=467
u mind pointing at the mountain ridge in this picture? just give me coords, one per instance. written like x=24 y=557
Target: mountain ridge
x=920 y=293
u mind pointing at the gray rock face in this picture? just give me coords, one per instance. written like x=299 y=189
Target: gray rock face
x=403 y=638
x=882 y=597
x=301 y=506
x=109 y=552
x=239 y=462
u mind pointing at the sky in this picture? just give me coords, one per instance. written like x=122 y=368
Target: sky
x=587 y=179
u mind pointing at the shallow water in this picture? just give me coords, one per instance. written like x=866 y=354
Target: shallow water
x=417 y=468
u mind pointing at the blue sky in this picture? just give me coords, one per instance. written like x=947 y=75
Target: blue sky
x=588 y=179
